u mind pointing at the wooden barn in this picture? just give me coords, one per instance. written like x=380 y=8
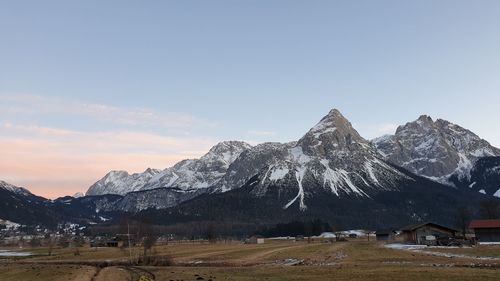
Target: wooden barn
x=427 y=233
x=486 y=231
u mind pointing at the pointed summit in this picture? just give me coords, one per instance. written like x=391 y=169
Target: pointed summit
x=226 y=151
x=225 y=146
x=425 y=118
x=435 y=149
x=333 y=132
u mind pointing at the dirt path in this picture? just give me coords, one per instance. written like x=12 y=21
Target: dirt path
x=218 y=253
x=122 y=273
x=255 y=258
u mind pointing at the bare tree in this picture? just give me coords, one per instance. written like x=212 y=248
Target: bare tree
x=49 y=242
x=148 y=237
x=34 y=242
x=148 y=242
x=210 y=233
x=77 y=243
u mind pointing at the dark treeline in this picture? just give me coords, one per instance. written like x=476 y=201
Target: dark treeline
x=307 y=228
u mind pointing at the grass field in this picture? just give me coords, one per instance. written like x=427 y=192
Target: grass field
x=274 y=260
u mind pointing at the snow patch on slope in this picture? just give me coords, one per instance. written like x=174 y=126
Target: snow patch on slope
x=299 y=174
x=278 y=174
x=497 y=193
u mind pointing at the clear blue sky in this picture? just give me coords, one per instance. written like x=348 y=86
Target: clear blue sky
x=250 y=70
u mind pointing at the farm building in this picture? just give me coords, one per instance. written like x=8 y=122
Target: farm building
x=255 y=240
x=427 y=233
x=486 y=230
x=385 y=235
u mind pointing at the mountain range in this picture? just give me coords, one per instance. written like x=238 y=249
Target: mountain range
x=426 y=170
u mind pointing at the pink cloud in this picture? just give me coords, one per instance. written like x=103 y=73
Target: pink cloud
x=52 y=162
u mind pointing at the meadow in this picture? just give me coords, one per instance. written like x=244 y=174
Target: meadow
x=274 y=260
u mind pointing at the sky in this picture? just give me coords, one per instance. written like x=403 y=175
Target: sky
x=92 y=86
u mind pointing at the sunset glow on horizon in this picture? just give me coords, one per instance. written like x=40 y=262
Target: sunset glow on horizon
x=87 y=87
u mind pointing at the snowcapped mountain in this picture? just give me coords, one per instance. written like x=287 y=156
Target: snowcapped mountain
x=187 y=175
x=78 y=195
x=14 y=189
x=330 y=173
x=484 y=177
x=120 y=182
x=434 y=149
x=332 y=157
x=21 y=206
x=191 y=175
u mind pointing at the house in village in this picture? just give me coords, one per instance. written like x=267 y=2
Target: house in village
x=428 y=234
x=487 y=231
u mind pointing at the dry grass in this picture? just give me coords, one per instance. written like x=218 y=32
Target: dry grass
x=14 y=272
x=355 y=260
x=274 y=273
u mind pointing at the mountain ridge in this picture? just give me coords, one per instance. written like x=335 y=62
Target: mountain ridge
x=437 y=149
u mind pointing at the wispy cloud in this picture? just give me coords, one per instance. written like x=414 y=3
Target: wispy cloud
x=57 y=146
x=54 y=162
x=14 y=104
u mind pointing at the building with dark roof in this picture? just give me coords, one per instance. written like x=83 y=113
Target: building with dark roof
x=385 y=234
x=427 y=233
x=486 y=230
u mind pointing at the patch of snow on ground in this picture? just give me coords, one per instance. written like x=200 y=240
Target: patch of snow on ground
x=489 y=243
x=5 y=253
x=404 y=246
x=419 y=249
x=482 y=191
x=327 y=235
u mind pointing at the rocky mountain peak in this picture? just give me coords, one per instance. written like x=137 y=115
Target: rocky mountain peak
x=333 y=133
x=425 y=119
x=121 y=182
x=227 y=151
x=13 y=188
x=151 y=171
x=436 y=149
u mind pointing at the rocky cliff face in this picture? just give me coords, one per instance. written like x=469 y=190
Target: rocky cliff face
x=435 y=149
x=121 y=183
x=484 y=177
x=331 y=157
x=187 y=175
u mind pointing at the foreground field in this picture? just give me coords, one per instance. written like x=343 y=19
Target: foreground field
x=274 y=260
